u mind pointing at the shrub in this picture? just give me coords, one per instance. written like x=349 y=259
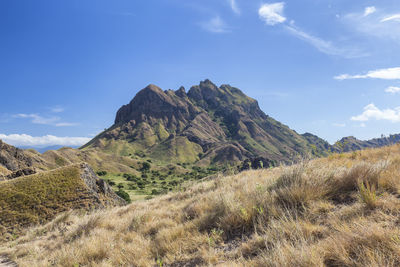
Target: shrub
x=145 y=166
x=368 y=194
x=124 y=195
x=101 y=173
x=154 y=192
x=111 y=183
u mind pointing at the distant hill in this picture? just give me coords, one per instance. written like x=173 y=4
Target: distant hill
x=207 y=125
x=44 y=149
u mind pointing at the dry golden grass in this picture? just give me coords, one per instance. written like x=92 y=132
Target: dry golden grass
x=337 y=211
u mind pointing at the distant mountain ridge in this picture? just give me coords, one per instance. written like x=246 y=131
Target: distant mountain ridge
x=206 y=125
x=351 y=143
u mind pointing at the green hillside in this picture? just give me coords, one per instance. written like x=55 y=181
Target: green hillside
x=37 y=198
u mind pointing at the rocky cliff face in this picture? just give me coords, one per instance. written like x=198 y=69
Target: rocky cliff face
x=206 y=125
x=12 y=158
x=14 y=162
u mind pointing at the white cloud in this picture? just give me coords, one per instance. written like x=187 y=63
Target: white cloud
x=339 y=124
x=395 y=17
x=369 y=10
x=322 y=45
x=234 y=6
x=385 y=74
x=392 y=89
x=42 y=141
x=372 y=112
x=272 y=14
x=37 y=119
x=215 y=25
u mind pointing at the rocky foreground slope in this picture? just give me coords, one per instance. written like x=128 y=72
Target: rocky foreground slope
x=342 y=210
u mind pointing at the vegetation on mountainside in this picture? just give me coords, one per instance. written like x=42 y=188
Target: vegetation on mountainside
x=137 y=174
x=341 y=210
x=151 y=181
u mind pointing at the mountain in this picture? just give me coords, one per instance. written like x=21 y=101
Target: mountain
x=208 y=125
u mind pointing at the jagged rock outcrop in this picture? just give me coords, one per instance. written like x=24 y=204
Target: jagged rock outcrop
x=12 y=158
x=101 y=190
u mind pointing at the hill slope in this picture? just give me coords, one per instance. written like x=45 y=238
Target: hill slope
x=337 y=211
x=37 y=198
x=207 y=125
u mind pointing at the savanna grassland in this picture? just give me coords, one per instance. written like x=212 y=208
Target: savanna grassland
x=342 y=210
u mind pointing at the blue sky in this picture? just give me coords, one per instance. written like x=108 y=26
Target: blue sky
x=329 y=67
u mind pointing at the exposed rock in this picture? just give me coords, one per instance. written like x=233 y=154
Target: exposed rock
x=13 y=158
x=100 y=189
x=19 y=173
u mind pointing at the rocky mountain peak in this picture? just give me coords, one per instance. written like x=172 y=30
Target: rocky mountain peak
x=181 y=92
x=154 y=103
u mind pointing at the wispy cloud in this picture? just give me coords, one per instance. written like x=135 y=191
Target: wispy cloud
x=372 y=112
x=57 y=109
x=42 y=141
x=66 y=124
x=272 y=14
x=369 y=10
x=215 y=25
x=392 y=89
x=234 y=6
x=385 y=74
x=377 y=24
x=37 y=119
x=395 y=17
x=324 y=46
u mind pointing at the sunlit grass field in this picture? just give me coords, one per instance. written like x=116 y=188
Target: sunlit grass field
x=342 y=210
